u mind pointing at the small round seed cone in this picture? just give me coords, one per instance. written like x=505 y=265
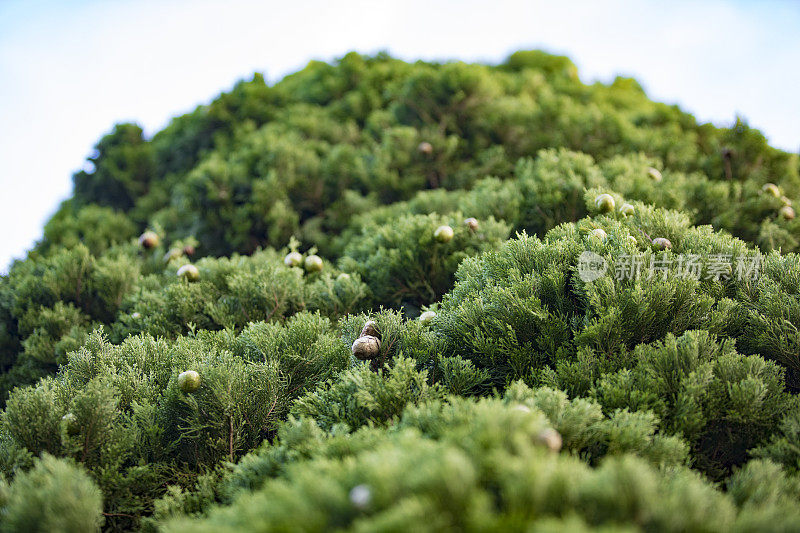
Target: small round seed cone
x=604 y=203
x=772 y=189
x=662 y=243
x=148 y=240
x=599 y=234
x=190 y=272
x=313 y=263
x=371 y=330
x=189 y=381
x=425 y=148
x=172 y=253
x=626 y=210
x=551 y=438
x=443 y=234
x=367 y=347
x=293 y=259
x=427 y=317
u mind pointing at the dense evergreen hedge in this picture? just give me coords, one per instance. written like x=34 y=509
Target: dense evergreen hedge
x=452 y=206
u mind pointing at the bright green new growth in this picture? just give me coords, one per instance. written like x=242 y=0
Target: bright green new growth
x=449 y=205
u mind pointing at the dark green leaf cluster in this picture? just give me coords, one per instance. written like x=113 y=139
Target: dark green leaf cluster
x=407 y=265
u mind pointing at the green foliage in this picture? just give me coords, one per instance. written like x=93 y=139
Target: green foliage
x=784 y=448
x=123 y=167
x=530 y=397
x=51 y=303
x=119 y=411
x=467 y=465
x=588 y=433
x=98 y=228
x=405 y=265
x=722 y=402
x=233 y=292
x=523 y=312
x=538 y=60
x=361 y=397
x=767 y=496
x=524 y=306
x=261 y=163
x=770 y=313
x=54 y=496
x=178 y=502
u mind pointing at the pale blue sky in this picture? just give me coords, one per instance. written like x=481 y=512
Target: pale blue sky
x=69 y=70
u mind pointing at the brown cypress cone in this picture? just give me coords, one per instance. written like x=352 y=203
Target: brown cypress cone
x=366 y=348
x=370 y=329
